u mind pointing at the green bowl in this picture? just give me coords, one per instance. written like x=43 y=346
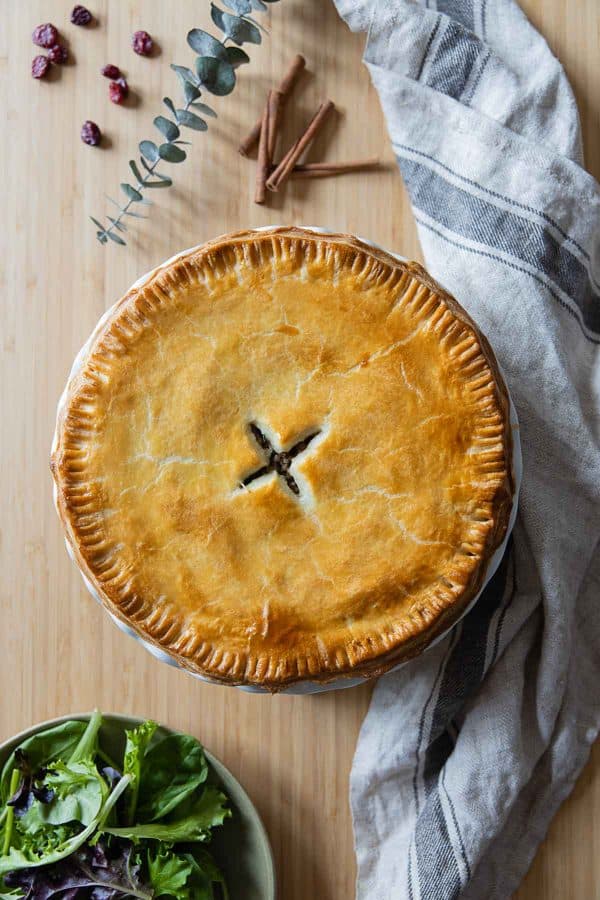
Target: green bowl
x=241 y=846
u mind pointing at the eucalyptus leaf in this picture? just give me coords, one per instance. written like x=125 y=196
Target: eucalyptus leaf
x=191 y=120
x=167 y=128
x=117 y=224
x=190 y=92
x=149 y=150
x=101 y=235
x=217 y=76
x=239 y=7
x=203 y=108
x=135 y=170
x=257 y=24
x=164 y=182
x=237 y=57
x=239 y=30
x=99 y=224
x=185 y=75
x=169 y=104
x=204 y=44
x=115 y=237
x=131 y=193
x=171 y=153
x=151 y=171
x=259 y=5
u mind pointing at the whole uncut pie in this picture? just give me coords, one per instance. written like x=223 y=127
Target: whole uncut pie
x=285 y=456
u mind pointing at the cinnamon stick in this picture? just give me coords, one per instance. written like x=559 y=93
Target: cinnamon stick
x=290 y=78
x=285 y=87
x=251 y=139
x=286 y=157
x=263 y=165
x=274 y=101
x=323 y=170
x=285 y=167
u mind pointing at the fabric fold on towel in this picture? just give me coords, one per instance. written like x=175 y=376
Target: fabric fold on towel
x=467 y=752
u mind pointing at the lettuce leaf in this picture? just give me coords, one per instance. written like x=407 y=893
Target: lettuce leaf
x=87 y=747
x=54 y=743
x=186 y=876
x=28 y=856
x=137 y=743
x=63 y=791
x=169 y=873
x=205 y=874
x=207 y=812
x=108 y=874
x=78 y=791
x=173 y=768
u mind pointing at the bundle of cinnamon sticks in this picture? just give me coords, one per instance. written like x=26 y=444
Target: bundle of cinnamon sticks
x=271 y=175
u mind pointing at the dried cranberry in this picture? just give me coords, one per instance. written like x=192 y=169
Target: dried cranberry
x=45 y=36
x=117 y=90
x=90 y=133
x=40 y=66
x=58 y=54
x=81 y=16
x=142 y=43
x=110 y=71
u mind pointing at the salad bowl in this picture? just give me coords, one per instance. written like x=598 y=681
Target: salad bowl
x=240 y=846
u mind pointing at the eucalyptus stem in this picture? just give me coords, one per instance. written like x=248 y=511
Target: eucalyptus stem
x=141 y=184
x=214 y=71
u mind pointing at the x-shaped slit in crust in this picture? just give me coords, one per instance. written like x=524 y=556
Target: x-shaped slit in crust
x=278 y=461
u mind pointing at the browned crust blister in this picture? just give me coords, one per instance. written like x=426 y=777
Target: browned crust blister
x=160 y=624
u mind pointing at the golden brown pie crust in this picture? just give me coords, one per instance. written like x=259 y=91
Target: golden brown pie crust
x=402 y=497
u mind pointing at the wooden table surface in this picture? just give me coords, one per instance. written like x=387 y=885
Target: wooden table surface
x=59 y=652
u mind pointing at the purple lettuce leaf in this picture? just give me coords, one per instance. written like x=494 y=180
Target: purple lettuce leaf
x=99 y=873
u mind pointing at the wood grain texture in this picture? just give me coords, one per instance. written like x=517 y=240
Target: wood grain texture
x=59 y=653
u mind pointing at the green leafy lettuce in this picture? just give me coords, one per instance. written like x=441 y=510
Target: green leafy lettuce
x=209 y=811
x=173 y=769
x=137 y=743
x=71 y=818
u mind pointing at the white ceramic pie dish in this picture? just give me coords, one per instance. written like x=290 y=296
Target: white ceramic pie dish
x=305 y=687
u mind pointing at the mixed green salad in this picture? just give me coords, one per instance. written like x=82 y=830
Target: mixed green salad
x=75 y=823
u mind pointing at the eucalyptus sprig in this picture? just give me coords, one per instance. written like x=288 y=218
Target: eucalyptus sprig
x=213 y=71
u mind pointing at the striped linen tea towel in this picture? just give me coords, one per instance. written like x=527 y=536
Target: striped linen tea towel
x=466 y=754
